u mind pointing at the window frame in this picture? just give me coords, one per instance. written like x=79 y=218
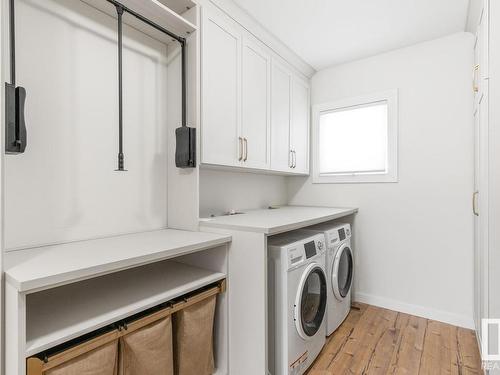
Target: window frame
x=389 y=96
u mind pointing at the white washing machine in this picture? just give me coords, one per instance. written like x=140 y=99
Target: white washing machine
x=297 y=299
x=339 y=271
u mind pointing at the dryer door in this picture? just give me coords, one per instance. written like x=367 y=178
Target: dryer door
x=310 y=303
x=342 y=270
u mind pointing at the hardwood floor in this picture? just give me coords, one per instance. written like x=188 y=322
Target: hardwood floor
x=373 y=340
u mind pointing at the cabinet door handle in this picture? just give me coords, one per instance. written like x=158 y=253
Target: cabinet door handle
x=290 y=164
x=475 y=86
x=241 y=148
x=294 y=159
x=474 y=203
x=246 y=149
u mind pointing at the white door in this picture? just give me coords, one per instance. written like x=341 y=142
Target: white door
x=481 y=170
x=255 y=103
x=221 y=43
x=475 y=210
x=280 y=118
x=480 y=210
x=299 y=126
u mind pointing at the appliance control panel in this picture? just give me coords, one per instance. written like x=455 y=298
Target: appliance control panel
x=338 y=234
x=302 y=251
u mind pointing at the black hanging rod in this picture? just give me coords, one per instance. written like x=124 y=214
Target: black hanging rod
x=178 y=38
x=121 y=157
x=190 y=132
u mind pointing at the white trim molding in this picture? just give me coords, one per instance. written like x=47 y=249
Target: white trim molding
x=417 y=310
x=242 y=17
x=391 y=174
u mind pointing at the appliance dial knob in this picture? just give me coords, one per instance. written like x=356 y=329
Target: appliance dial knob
x=320 y=245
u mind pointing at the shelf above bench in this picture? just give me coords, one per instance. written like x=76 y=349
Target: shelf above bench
x=36 y=269
x=155 y=10
x=178 y=6
x=58 y=315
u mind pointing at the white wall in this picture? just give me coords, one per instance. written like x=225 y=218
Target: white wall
x=64 y=187
x=414 y=237
x=222 y=191
x=473 y=15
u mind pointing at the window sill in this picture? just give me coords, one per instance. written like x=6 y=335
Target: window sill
x=355 y=179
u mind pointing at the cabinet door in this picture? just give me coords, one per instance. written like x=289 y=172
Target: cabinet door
x=299 y=126
x=221 y=43
x=255 y=120
x=280 y=118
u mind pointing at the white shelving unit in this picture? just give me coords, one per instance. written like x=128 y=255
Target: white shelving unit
x=169 y=17
x=58 y=315
x=178 y=6
x=61 y=292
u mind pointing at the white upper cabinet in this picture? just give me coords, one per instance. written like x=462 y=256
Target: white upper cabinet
x=289 y=121
x=299 y=126
x=281 y=157
x=255 y=109
x=255 y=104
x=221 y=45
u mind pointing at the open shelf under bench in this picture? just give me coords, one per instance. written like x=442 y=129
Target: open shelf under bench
x=58 y=315
x=58 y=293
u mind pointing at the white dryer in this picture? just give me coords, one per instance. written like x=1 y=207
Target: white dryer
x=297 y=299
x=339 y=271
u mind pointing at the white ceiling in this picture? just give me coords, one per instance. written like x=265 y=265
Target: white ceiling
x=330 y=32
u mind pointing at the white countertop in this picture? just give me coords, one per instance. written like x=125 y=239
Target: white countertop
x=45 y=267
x=273 y=221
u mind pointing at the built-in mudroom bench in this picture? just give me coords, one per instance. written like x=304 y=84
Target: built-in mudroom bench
x=99 y=214
x=66 y=301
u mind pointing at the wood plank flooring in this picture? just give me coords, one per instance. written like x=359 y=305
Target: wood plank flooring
x=376 y=341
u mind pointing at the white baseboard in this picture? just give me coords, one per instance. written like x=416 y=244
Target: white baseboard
x=421 y=311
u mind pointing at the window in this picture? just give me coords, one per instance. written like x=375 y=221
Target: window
x=355 y=140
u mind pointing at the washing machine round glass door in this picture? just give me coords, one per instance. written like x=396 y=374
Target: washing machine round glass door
x=310 y=304
x=342 y=270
